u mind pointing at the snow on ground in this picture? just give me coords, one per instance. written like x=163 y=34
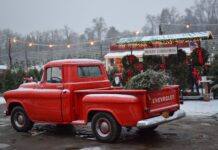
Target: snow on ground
x=2 y=100
x=200 y=108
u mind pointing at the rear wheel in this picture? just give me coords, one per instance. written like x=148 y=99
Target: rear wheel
x=19 y=120
x=105 y=127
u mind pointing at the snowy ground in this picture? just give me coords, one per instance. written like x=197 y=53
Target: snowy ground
x=200 y=108
x=2 y=100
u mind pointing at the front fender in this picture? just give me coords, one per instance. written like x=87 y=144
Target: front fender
x=12 y=104
x=20 y=97
x=126 y=109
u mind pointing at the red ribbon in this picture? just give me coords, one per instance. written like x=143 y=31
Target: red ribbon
x=162 y=66
x=129 y=73
x=195 y=73
x=131 y=58
x=200 y=56
x=140 y=66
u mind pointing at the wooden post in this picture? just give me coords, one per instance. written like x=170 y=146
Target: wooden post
x=9 y=52
x=131 y=50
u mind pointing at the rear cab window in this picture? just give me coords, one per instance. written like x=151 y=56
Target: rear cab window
x=89 y=71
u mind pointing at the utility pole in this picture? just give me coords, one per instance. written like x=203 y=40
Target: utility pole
x=9 y=52
x=161 y=33
x=101 y=50
x=160 y=30
x=131 y=50
x=26 y=58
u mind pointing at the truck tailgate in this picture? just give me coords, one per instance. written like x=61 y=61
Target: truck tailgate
x=165 y=100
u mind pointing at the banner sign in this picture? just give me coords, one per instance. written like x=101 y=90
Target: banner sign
x=160 y=51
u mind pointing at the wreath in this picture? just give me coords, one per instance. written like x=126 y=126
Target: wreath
x=131 y=67
x=199 y=56
x=129 y=61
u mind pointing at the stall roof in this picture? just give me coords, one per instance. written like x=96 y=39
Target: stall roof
x=122 y=54
x=203 y=35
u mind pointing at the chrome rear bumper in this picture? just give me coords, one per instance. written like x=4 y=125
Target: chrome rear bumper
x=160 y=120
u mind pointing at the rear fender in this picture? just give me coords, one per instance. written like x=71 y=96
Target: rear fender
x=126 y=109
x=90 y=113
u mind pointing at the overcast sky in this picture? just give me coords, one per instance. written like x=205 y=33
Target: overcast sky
x=24 y=16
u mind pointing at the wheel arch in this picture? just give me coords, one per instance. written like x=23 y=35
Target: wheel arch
x=91 y=114
x=13 y=105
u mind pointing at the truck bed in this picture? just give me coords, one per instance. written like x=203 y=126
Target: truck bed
x=153 y=103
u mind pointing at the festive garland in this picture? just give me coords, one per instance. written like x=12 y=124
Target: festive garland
x=177 y=68
x=199 y=56
x=173 y=60
x=152 y=62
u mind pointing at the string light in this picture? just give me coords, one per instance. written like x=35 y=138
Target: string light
x=14 y=40
x=50 y=45
x=92 y=43
x=188 y=26
x=137 y=33
x=84 y=43
x=30 y=44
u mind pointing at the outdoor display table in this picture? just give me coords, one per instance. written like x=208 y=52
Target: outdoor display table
x=205 y=88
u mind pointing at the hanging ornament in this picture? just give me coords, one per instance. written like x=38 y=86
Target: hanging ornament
x=163 y=66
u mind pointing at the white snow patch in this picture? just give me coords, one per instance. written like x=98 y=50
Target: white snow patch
x=2 y=100
x=200 y=108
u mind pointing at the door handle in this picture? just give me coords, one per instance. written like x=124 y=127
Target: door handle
x=60 y=87
x=64 y=91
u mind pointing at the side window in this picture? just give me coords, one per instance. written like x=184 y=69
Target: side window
x=89 y=71
x=54 y=75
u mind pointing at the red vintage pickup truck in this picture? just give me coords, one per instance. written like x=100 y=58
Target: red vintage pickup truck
x=77 y=91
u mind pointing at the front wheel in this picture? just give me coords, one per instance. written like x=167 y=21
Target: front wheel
x=19 y=120
x=105 y=127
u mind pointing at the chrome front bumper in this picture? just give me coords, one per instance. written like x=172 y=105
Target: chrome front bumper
x=160 y=120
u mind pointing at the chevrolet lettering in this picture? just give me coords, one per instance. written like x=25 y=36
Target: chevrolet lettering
x=163 y=99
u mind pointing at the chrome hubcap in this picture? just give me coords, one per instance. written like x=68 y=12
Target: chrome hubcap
x=19 y=120
x=103 y=127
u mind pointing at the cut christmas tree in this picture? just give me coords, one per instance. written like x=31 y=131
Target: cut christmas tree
x=148 y=80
